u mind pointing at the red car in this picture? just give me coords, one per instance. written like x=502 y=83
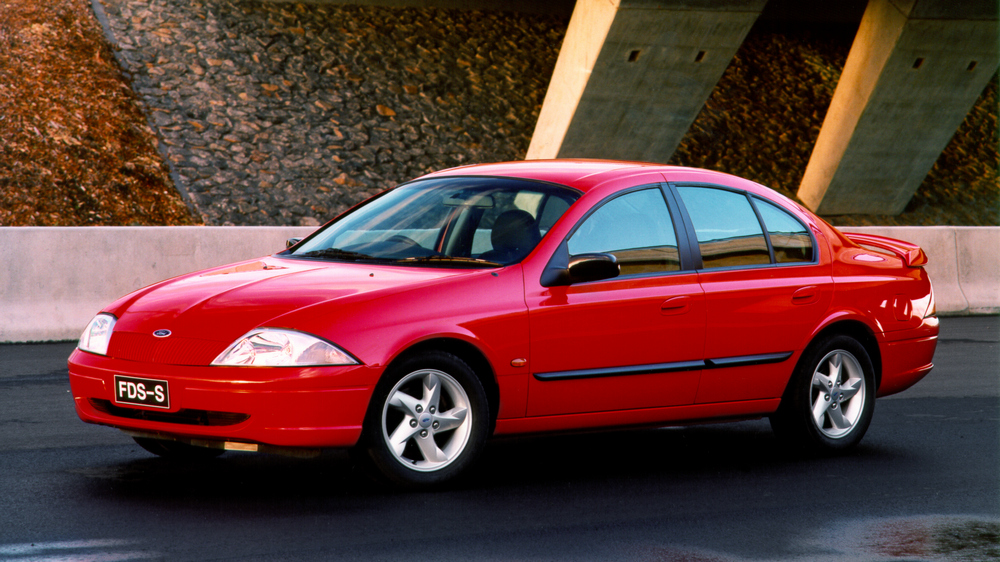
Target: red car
x=519 y=298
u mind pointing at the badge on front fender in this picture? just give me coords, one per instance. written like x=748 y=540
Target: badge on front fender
x=144 y=392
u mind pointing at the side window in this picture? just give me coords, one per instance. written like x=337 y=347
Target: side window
x=636 y=228
x=727 y=228
x=789 y=237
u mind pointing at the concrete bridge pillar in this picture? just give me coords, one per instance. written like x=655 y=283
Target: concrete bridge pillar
x=632 y=75
x=915 y=70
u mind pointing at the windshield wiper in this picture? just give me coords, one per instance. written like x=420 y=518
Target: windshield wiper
x=454 y=259
x=339 y=254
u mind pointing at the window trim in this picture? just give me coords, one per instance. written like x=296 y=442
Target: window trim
x=683 y=228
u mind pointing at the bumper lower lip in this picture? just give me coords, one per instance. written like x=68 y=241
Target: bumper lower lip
x=300 y=452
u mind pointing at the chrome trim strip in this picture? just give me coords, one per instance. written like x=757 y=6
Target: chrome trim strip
x=747 y=360
x=620 y=371
x=719 y=363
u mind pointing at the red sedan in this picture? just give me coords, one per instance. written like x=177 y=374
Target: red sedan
x=519 y=298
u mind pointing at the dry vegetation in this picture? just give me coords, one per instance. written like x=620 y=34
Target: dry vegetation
x=74 y=145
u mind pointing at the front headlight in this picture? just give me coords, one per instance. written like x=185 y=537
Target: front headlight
x=273 y=347
x=96 y=337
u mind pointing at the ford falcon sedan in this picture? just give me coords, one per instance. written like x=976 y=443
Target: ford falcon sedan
x=517 y=298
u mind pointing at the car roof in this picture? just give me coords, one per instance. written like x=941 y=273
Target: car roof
x=584 y=174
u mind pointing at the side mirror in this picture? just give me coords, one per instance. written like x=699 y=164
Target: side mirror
x=291 y=242
x=593 y=267
x=563 y=270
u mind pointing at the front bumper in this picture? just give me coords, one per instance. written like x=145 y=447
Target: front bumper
x=307 y=407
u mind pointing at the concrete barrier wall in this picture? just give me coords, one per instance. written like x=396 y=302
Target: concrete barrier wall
x=55 y=279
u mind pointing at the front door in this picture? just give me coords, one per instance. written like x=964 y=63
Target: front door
x=635 y=341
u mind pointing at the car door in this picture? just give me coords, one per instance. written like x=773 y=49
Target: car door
x=765 y=291
x=634 y=341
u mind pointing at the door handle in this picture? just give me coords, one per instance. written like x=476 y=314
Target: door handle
x=806 y=295
x=675 y=305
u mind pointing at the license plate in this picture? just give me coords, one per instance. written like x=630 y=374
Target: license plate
x=144 y=392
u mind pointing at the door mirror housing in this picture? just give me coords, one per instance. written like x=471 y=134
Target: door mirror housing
x=565 y=270
x=593 y=267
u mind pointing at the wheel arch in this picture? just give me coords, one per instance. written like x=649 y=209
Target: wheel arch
x=471 y=355
x=855 y=329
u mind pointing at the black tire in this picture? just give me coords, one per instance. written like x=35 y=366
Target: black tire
x=836 y=378
x=175 y=450
x=433 y=407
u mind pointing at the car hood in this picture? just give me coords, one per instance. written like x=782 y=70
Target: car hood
x=207 y=311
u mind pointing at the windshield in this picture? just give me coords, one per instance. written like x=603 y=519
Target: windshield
x=474 y=221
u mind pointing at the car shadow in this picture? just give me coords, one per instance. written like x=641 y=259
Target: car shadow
x=637 y=457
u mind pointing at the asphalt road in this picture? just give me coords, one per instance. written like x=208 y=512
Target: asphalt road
x=924 y=485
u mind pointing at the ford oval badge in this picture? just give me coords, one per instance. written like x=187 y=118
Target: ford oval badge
x=161 y=333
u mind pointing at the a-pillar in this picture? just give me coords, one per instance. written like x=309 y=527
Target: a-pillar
x=632 y=75
x=915 y=70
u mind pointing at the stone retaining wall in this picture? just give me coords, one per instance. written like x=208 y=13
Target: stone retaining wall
x=288 y=113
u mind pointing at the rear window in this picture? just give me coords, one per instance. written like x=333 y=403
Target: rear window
x=789 y=237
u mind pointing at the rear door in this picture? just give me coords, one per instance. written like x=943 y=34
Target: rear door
x=765 y=291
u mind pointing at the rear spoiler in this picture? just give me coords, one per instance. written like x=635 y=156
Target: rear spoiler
x=911 y=254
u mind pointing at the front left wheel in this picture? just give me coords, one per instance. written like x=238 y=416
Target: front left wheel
x=428 y=421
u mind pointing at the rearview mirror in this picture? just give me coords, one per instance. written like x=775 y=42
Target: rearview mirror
x=464 y=199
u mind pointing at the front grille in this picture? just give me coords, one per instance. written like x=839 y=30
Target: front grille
x=185 y=417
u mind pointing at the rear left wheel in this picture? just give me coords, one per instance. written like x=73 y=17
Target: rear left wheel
x=831 y=400
x=838 y=395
